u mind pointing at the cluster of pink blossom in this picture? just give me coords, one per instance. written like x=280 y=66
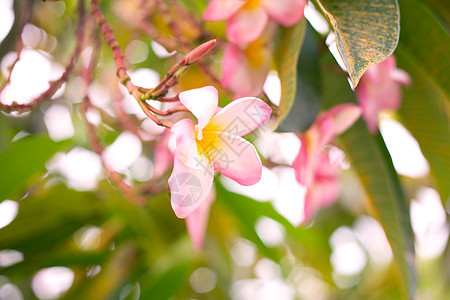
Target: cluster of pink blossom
x=250 y=27
x=215 y=143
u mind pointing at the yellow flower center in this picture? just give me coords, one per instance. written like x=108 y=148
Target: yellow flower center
x=255 y=54
x=251 y=4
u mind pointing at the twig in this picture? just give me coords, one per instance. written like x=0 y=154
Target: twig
x=149 y=29
x=124 y=119
x=24 y=18
x=172 y=76
x=115 y=177
x=170 y=111
x=54 y=85
x=165 y=13
x=122 y=74
x=181 y=12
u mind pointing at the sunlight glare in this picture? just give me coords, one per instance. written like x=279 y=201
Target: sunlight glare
x=8 y=212
x=58 y=121
x=6 y=17
x=428 y=219
x=123 y=152
x=51 y=283
x=405 y=151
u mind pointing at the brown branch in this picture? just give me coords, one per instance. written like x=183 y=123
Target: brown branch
x=122 y=74
x=115 y=177
x=181 y=12
x=149 y=29
x=94 y=141
x=124 y=119
x=170 y=111
x=165 y=13
x=24 y=18
x=172 y=76
x=169 y=99
x=54 y=85
x=184 y=43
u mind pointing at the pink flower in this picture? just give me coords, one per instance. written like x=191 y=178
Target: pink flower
x=197 y=221
x=248 y=18
x=244 y=69
x=214 y=144
x=379 y=89
x=163 y=157
x=313 y=168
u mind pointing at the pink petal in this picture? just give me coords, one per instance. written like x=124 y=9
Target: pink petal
x=369 y=107
x=240 y=116
x=380 y=89
x=186 y=146
x=193 y=172
x=246 y=25
x=197 y=221
x=233 y=157
x=202 y=102
x=320 y=195
x=303 y=170
x=219 y=10
x=324 y=130
x=286 y=12
x=335 y=121
x=401 y=77
x=163 y=157
x=232 y=66
x=242 y=77
x=343 y=116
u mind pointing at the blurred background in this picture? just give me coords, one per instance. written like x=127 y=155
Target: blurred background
x=67 y=232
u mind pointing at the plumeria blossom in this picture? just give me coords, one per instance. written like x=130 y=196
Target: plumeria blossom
x=246 y=19
x=379 y=89
x=245 y=68
x=313 y=167
x=197 y=221
x=214 y=144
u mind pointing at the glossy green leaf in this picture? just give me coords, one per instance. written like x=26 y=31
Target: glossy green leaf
x=385 y=197
x=366 y=31
x=22 y=160
x=426 y=114
x=308 y=92
x=425 y=43
x=286 y=58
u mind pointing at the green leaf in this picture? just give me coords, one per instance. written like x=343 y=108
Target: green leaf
x=166 y=284
x=366 y=31
x=113 y=275
x=308 y=92
x=425 y=112
x=248 y=211
x=442 y=9
x=22 y=160
x=286 y=58
x=47 y=218
x=385 y=199
x=425 y=43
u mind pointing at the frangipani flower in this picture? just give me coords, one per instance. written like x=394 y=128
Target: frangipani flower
x=197 y=221
x=313 y=167
x=248 y=18
x=379 y=89
x=214 y=144
x=244 y=69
